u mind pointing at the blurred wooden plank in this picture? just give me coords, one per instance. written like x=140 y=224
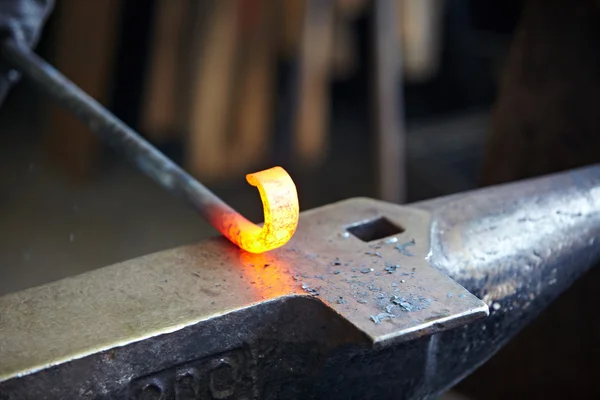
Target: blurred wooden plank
x=312 y=118
x=211 y=89
x=254 y=101
x=387 y=102
x=159 y=119
x=292 y=22
x=345 y=42
x=232 y=99
x=84 y=47
x=419 y=32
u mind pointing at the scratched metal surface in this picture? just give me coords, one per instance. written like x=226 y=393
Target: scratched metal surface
x=385 y=289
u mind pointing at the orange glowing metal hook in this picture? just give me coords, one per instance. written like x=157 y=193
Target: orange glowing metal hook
x=281 y=212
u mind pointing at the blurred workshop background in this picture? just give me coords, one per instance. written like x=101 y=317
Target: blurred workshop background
x=398 y=100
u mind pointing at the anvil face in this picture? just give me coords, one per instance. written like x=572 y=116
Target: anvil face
x=344 y=268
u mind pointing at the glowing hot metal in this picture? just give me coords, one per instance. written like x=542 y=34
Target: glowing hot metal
x=281 y=211
x=277 y=190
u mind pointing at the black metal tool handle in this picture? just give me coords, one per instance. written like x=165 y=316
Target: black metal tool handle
x=108 y=127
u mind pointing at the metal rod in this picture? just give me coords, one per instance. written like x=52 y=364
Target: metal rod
x=122 y=138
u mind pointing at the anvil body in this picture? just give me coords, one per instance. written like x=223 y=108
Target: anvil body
x=368 y=300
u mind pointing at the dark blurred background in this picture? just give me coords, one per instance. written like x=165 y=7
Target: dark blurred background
x=228 y=88
x=398 y=100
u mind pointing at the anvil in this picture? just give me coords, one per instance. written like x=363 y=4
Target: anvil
x=368 y=300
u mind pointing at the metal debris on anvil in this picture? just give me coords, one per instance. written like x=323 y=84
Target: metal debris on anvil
x=337 y=261
x=402 y=248
x=412 y=303
x=337 y=271
x=373 y=253
x=391 y=240
x=319 y=276
x=367 y=270
x=311 y=290
x=362 y=301
x=381 y=316
x=341 y=300
x=391 y=268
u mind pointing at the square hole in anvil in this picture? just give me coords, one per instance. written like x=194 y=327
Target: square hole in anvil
x=374 y=229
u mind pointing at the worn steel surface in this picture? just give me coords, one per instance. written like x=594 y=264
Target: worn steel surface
x=327 y=316
x=384 y=290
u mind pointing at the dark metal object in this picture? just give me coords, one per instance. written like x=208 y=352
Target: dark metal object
x=210 y=321
x=21 y=21
x=108 y=127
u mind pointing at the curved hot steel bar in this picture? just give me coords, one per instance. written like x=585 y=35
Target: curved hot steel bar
x=368 y=300
x=160 y=168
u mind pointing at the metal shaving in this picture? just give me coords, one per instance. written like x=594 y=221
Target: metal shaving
x=380 y=317
x=402 y=248
x=412 y=303
x=391 y=268
x=311 y=290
